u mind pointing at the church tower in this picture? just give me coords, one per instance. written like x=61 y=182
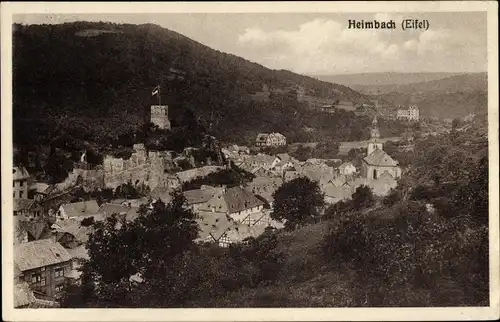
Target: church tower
x=375 y=142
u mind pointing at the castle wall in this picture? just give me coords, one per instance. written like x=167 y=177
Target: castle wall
x=90 y=179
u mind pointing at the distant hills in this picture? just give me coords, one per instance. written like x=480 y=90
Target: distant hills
x=385 y=78
x=380 y=83
x=103 y=73
x=443 y=95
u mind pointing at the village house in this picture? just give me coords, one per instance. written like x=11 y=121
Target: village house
x=260 y=160
x=43 y=264
x=334 y=193
x=27 y=231
x=221 y=229
x=197 y=198
x=283 y=166
x=238 y=203
x=80 y=209
x=28 y=209
x=264 y=187
x=347 y=168
x=262 y=172
x=291 y=174
x=272 y=139
x=70 y=233
x=21 y=182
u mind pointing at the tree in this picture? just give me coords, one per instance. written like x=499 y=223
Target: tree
x=298 y=202
x=362 y=197
x=151 y=245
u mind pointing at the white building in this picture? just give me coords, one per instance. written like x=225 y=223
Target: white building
x=272 y=139
x=410 y=114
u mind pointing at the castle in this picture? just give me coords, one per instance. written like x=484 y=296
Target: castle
x=159 y=116
x=143 y=167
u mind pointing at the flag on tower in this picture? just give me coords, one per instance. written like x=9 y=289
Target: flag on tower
x=156 y=90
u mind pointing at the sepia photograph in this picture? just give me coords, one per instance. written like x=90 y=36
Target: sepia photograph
x=200 y=159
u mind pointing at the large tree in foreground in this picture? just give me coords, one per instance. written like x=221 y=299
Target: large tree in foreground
x=153 y=245
x=298 y=202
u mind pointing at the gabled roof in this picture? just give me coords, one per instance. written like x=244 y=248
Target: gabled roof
x=23 y=204
x=345 y=165
x=199 y=195
x=284 y=156
x=51 y=189
x=380 y=158
x=213 y=224
x=238 y=199
x=82 y=208
x=261 y=158
x=36 y=229
x=110 y=208
x=73 y=227
x=39 y=253
x=20 y=173
x=39 y=187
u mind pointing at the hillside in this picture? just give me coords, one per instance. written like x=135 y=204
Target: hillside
x=99 y=77
x=377 y=79
x=451 y=97
x=456 y=83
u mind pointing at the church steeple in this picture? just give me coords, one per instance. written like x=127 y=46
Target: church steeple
x=375 y=134
x=374 y=143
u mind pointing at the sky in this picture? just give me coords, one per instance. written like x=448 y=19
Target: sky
x=322 y=44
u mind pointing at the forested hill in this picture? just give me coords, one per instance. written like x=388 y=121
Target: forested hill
x=104 y=73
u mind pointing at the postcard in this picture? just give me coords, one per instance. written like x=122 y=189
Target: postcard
x=269 y=161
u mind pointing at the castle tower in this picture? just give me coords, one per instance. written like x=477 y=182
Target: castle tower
x=159 y=116
x=375 y=142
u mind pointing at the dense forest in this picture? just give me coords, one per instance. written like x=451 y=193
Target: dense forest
x=102 y=81
x=425 y=244
x=88 y=85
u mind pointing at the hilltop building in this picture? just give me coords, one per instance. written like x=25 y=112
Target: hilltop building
x=159 y=116
x=410 y=114
x=273 y=139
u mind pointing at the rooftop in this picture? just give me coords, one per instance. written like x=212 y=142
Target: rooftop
x=239 y=199
x=20 y=173
x=39 y=253
x=82 y=208
x=380 y=158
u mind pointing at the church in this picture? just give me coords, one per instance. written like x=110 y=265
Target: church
x=378 y=164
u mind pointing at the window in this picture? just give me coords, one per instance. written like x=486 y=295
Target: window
x=60 y=272
x=36 y=278
x=42 y=282
x=21 y=194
